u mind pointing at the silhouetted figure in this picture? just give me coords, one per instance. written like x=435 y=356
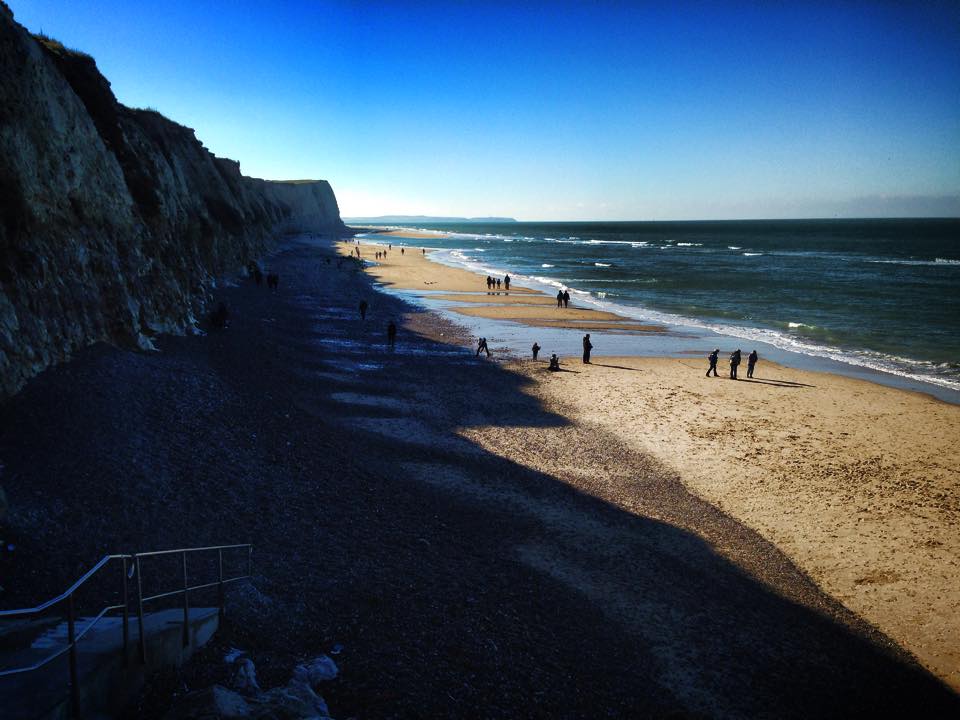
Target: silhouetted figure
x=734 y=363
x=423 y=251
x=751 y=363
x=390 y=245
x=220 y=317
x=358 y=249
x=489 y=282
x=498 y=283
x=587 y=347
x=391 y=332
x=713 y=358
x=363 y=309
x=258 y=276
x=273 y=281
x=559 y=298
x=566 y=299
x=328 y=261
x=554 y=362
x=506 y=282
x=401 y=251
x=536 y=350
x=482 y=347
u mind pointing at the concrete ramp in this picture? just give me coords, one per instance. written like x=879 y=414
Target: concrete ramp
x=106 y=684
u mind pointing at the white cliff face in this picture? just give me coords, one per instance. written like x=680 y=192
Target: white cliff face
x=112 y=220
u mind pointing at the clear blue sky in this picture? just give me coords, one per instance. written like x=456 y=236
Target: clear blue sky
x=552 y=111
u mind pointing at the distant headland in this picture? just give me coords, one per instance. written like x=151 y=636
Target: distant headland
x=387 y=219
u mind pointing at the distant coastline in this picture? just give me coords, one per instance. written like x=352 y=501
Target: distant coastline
x=391 y=219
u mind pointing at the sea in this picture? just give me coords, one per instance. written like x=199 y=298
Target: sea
x=874 y=297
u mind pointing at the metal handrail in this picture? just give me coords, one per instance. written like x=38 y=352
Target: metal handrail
x=73 y=637
x=62 y=596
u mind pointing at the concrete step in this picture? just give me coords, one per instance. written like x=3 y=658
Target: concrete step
x=105 y=683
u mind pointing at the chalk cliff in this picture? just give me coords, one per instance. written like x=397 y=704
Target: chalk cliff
x=113 y=220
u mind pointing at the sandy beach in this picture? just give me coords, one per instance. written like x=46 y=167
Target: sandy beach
x=855 y=482
x=474 y=534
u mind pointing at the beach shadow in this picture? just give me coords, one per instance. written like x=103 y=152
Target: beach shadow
x=616 y=367
x=455 y=578
x=776 y=383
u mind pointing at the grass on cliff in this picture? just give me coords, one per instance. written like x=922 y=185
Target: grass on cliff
x=57 y=47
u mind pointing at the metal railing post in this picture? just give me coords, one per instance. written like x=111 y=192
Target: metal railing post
x=143 y=634
x=72 y=640
x=186 y=603
x=222 y=595
x=126 y=615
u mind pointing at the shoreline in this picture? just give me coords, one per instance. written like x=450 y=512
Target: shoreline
x=706 y=339
x=844 y=510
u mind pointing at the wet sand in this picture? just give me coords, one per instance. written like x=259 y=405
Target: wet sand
x=413 y=271
x=856 y=482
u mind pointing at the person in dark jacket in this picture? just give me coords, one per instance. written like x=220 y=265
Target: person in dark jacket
x=559 y=298
x=587 y=347
x=751 y=363
x=713 y=358
x=566 y=299
x=734 y=363
x=536 y=350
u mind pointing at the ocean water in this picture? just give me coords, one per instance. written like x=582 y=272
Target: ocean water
x=878 y=294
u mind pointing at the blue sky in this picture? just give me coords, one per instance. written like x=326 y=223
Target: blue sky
x=554 y=111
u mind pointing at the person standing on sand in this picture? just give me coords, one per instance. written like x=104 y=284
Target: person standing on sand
x=536 y=350
x=566 y=299
x=559 y=298
x=363 y=309
x=391 y=333
x=482 y=347
x=498 y=283
x=713 y=358
x=401 y=251
x=423 y=251
x=587 y=347
x=506 y=282
x=751 y=363
x=734 y=363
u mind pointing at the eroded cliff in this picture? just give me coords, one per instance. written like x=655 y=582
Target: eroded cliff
x=113 y=220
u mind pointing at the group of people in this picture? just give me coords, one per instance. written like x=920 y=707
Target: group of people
x=494 y=283
x=535 y=349
x=735 y=360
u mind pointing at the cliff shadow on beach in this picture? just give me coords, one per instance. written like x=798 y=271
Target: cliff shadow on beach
x=457 y=581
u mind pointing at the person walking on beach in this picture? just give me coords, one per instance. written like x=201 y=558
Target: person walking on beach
x=751 y=363
x=734 y=363
x=713 y=358
x=587 y=347
x=506 y=282
x=363 y=309
x=401 y=251
x=559 y=298
x=391 y=333
x=482 y=347
x=566 y=299
x=536 y=350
